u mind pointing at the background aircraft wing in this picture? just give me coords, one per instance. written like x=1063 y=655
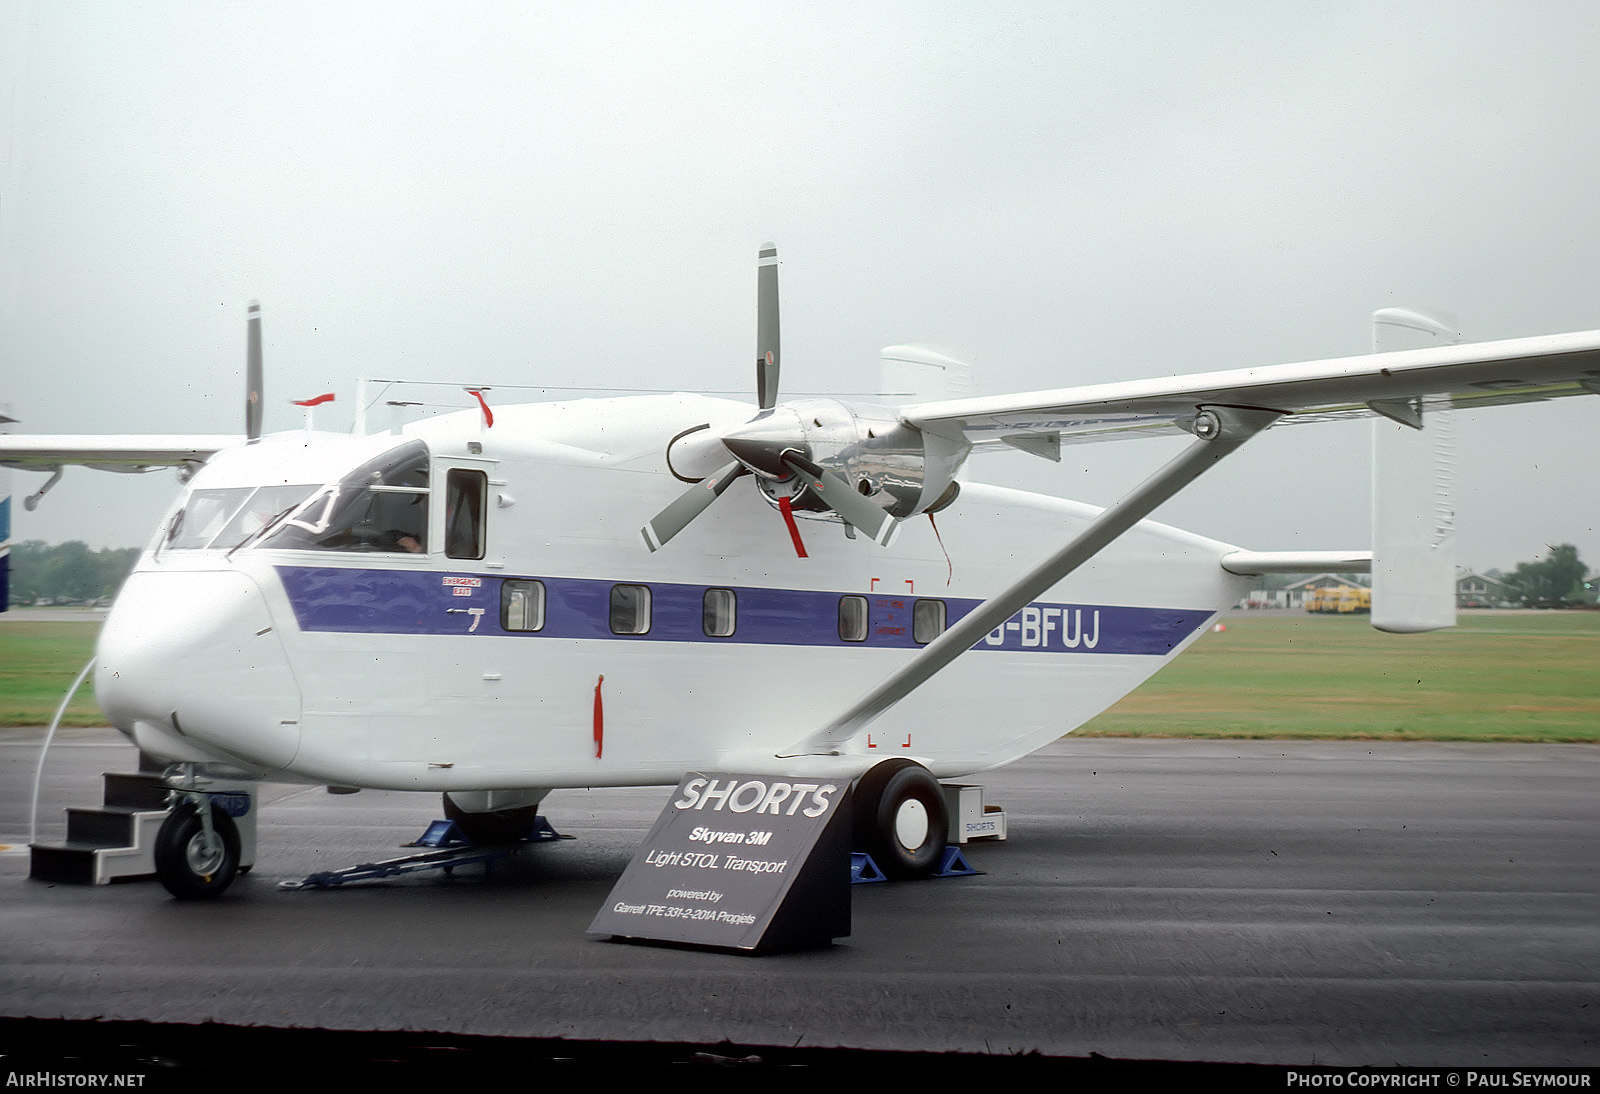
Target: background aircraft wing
x=111 y=452
x=1461 y=376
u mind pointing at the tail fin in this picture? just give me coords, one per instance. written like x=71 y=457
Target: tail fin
x=5 y=518
x=1413 y=515
x=914 y=374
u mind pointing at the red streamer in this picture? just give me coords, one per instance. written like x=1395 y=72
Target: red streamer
x=599 y=720
x=794 y=529
x=950 y=566
x=488 y=415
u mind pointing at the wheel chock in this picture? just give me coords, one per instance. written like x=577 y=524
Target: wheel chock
x=863 y=870
x=543 y=831
x=440 y=833
x=953 y=863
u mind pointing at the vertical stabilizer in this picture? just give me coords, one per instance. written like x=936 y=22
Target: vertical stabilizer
x=1413 y=515
x=914 y=374
x=5 y=518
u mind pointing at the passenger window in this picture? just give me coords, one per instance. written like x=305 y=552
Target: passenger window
x=927 y=621
x=853 y=618
x=522 y=605
x=630 y=609
x=465 y=494
x=717 y=615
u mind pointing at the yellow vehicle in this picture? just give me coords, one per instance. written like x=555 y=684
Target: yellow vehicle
x=1340 y=600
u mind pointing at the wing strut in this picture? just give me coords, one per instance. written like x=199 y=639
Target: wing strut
x=1218 y=429
x=31 y=502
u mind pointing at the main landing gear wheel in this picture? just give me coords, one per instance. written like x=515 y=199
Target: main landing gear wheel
x=190 y=867
x=900 y=818
x=488 y=829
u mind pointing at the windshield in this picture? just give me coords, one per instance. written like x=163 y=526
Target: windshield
x=380 y=506
x=224 y=519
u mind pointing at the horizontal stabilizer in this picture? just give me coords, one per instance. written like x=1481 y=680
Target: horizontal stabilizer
x=1251 y=563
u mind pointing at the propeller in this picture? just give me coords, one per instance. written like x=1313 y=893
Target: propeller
x=690 y=504
x=771 y=445
x=836 y=494
x=252 y=373
x=767 y=339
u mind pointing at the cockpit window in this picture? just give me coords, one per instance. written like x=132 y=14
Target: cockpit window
x=226 y=518
x=202 y=517
x=381 y=506
x=265 y=506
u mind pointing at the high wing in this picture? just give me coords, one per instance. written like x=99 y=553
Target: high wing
x=112 y=452
x=1480 y=374
x=1222 y=410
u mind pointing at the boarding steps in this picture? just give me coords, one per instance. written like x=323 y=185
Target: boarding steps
x=115 y=842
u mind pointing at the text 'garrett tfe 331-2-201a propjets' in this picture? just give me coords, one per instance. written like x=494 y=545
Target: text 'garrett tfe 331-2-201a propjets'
x=466 y=604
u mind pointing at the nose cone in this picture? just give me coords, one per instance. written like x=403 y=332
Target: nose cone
x=760 y=442
x=196 y=655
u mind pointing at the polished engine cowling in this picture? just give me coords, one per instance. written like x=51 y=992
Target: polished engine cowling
x=903 y=469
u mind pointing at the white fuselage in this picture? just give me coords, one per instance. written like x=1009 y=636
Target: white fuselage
x=365 y=664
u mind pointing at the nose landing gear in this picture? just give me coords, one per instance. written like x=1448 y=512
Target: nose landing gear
x=197 y=849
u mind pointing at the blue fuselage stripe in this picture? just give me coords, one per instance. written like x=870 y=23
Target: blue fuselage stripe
x=371 y=601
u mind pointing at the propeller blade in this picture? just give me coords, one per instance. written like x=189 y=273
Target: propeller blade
x=252 y=373
x=836 y=494
x=688 y=505
x=767 y=350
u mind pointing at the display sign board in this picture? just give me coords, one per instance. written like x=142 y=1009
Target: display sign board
x=744 y=862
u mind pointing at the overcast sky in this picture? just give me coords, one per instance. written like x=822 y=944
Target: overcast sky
x=567 y=194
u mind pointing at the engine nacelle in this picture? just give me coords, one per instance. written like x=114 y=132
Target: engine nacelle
x=904 y=469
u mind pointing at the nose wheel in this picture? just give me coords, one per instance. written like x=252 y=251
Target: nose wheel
x=901 y=819
x=197 y=853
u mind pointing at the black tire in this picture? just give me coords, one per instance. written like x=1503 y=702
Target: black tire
x=182 y=864
x=897 y=804
x=489 y=829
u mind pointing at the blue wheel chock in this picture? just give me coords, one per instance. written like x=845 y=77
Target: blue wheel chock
x=863 y=870
x=441 y=833
x=952 y=863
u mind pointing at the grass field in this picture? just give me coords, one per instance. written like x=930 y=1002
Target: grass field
x=1502 y=676
x=1497 y=676
x=38 y=662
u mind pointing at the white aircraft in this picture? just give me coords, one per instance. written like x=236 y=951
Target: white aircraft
x=466 y=604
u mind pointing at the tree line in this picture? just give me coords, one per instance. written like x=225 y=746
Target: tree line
x=70 y=572
x=1557 y=580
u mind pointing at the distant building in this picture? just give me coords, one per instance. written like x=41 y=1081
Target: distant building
x=1294 y=596
x=1474 y=590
